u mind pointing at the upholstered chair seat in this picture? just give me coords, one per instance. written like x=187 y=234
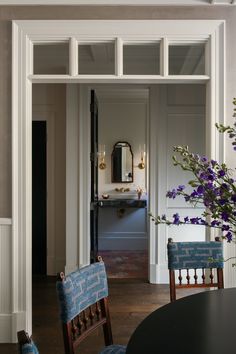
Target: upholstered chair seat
x=26 y=344
x=114 y=349
x=29 y=349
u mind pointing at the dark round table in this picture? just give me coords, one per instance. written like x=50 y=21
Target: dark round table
x=204 y=323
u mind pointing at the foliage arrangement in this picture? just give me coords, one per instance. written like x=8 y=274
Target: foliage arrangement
x=212 y=185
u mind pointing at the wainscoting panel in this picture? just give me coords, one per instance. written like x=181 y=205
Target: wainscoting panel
x=5 y=280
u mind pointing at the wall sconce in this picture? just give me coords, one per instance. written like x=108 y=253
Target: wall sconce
x=101 y=153
x=141 y=164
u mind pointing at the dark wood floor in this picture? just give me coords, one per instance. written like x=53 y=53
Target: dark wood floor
x=131 y=300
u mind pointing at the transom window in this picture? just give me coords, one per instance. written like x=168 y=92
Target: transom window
x=118 y=57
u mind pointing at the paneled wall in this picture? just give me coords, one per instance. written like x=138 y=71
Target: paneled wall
x=5 y=279
x=180 y=121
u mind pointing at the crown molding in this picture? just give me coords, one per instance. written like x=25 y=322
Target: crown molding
x=119 y=2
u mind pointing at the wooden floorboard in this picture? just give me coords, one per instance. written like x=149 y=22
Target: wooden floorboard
x=131 y=300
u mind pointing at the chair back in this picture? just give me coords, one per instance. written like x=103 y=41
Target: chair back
x=83 y=302
x=26 y=345
x=195 y=255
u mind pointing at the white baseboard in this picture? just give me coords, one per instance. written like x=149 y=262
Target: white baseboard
x=10 y=324
x=19 y=323
x=5 y=328
x=158 y=274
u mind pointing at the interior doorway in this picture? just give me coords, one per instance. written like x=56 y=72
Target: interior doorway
x=123 y=119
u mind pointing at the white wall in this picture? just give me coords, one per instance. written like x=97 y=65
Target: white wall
x=179 y=120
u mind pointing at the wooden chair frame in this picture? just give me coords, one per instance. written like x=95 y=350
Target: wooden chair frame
x=23 y=338
x=173 y=286
x=82 y=325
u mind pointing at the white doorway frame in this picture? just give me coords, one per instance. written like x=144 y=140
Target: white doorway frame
x=25 y=34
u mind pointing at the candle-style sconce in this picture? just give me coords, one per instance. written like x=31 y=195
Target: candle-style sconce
x=101 y=157
x=141 y=164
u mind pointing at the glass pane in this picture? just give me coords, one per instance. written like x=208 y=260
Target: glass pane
x=141 y=59
x=98 y=59
x=187 y=59
x=51 y=58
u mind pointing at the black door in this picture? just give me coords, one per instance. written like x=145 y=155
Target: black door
x=39 y=188
x=94 y=177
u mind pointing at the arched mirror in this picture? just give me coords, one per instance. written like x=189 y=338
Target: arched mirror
x=122 y=163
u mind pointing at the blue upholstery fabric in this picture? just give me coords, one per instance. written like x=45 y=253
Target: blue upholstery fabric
x=193 y=255
x=29 y=348
x=114 y=349
x=81 y=289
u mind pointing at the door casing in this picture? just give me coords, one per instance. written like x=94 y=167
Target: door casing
x=25 y=33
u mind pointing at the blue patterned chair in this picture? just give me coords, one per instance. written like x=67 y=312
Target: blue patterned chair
x=83 y=302
x=194 y=256
x=26 y=345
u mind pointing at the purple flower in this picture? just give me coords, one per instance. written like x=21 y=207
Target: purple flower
x=186 y=219
x=195 y=220
x=225 y=216
x=200 y=189
x=176 y=220
x=180 y=188
x=194 y=194
x=215 y=223
x=209 y=185
x=171 y=194
x=229 y=236
x=222 y=201
x=203 y=176
x=225 y=227
x=221 y=173
x=213 y=163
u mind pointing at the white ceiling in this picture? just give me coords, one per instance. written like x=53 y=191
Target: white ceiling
x=118 y=2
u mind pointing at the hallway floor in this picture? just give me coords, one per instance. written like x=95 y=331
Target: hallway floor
x=131 y=300
x=126 y=264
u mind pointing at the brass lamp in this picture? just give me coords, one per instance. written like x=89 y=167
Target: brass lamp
x=102 y=164
x=141 y=164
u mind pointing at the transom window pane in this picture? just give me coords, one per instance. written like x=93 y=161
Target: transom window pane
x=52 y=58
x=141 y=59
x=187 y=59
x=97 y=58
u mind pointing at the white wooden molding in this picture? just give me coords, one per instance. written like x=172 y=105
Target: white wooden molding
x=72 y=178
x=24 y=35
x=5 y=221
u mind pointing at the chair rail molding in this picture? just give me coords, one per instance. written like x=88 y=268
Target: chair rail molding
x=27 y=32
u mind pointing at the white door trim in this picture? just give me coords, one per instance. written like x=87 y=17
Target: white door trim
x=27 y=32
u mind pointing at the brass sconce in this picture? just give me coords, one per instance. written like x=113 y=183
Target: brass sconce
x=141 y=164
x=101 y=154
